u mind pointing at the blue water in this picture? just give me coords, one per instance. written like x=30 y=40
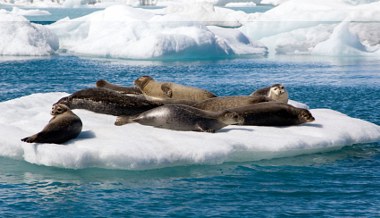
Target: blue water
x=344 y=183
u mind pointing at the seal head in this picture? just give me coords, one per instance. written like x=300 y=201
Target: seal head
x=276 y=92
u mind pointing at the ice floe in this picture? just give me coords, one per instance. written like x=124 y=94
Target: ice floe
x=133 y=146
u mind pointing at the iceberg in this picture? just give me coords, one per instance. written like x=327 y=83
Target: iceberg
x=133 y=33
x=137 y=147
x=19 y=37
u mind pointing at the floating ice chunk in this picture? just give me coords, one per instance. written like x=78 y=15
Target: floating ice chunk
x=342 y=42
x=31 y=12
x=134 y=146
x=125 y=32
x=20 y=37
x=337 y=28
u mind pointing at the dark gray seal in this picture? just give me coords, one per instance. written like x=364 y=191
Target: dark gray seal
x=273 y=114
x=121 y=89
x=186 y=118
x=276 y=92
x=227 y=102
x=106 y=101
x=64 y=125
x=164 y=90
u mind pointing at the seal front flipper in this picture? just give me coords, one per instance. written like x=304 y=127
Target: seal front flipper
x=202 y=128
x=165 y=87
x=122 y=120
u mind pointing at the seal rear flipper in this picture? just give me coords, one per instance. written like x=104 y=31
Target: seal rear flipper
x=29 y=139
x=165 y=87
x=122 y=120
x=201 y=128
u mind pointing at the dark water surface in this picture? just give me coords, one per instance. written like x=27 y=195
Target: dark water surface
x=342 y=183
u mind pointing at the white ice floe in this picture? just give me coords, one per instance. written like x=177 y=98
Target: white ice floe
x=125 y=32
x=133 y=146
x=240 y=4
x=20 y=37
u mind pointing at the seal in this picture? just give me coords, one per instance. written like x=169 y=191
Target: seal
x=64 y=125
x=186 y=118
x=273 y=114
x=276 y=92
x=164 y=90
x=227 y=102
x=105 y=101
x=121 y=89
x=136 y=92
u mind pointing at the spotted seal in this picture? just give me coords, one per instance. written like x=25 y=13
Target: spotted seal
x=121 y=89
x=276 y=92
x=64 y=125
x=185 y=118
x=273 y=114
x=100 y=100
x=227 y=102
x=164 y=90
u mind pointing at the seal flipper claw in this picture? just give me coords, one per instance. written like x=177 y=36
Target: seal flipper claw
x=165 y=87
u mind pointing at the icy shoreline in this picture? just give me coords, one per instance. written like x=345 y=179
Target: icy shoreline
x=136 y=147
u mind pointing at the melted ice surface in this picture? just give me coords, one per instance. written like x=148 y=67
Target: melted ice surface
x=133 y=146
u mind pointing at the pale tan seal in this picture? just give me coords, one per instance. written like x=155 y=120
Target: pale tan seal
x=136 y=92
x=64 y=125
x=185 y=118
x=120 y=89
x=164 y=90
x=227 y=102
x=276 y=92
x=273 y=114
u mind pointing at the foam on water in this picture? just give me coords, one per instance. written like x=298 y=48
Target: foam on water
x=133 y=146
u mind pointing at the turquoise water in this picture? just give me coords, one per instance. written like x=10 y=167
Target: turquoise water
x=340 y=183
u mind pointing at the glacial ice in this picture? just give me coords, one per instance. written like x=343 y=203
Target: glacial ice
x=134 y=147
x=202 y=29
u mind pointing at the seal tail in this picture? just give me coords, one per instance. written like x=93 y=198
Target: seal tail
x=122 y=120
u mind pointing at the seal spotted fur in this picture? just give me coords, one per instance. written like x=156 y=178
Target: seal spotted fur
x=273 y=114
x=163 y=90
x=106 y=101
x=186 y=118
x=276 y=92
x=64 y=125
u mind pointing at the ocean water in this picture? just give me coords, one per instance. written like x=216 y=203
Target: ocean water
x=342 y=183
